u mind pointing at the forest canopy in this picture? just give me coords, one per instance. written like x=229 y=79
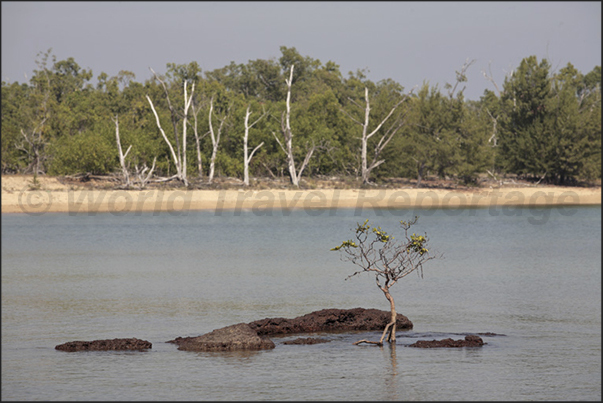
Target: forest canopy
x=295 y=116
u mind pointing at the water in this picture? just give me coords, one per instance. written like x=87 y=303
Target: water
x=531 y=275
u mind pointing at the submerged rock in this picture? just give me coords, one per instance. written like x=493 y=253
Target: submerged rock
x=254 y=335
x=307 y=340
x=105 y=345
x=470 y=341
x=330 y=320
x=236 y=337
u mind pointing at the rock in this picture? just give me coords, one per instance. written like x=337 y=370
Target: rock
x=306 y=340
x=236 y=337
x=470 y=341
x=105 y=345
x=490 y=334
x=328 y=320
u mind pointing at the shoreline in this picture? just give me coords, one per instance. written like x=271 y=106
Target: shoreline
x=53 y=197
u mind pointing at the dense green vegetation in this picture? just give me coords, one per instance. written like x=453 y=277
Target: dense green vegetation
x=541 y=125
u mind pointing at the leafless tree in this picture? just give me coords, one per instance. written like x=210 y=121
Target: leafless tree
x=294 y=173
x=196 y=109
x=140 y=172
x=374 y=251
x=461 y=77
x=122 y=156
x=179 y=157
x=493 y=140
x=366 y=136
x=246 y=155
x=143 y=177
x=215 y=138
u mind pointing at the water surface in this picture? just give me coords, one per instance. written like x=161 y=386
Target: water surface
x=532 y=275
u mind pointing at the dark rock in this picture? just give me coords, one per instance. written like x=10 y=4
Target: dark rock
x=330 y=320
x=105 y=345
x=470 y=341
x=236 y=337
x=306 y=340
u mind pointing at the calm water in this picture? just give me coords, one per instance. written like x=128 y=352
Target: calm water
x=533 y=276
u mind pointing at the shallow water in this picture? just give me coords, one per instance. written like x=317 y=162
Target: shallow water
x=531 y=275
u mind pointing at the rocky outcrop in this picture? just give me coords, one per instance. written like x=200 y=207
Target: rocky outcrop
x=470 y=341
x=329 y=320
x=105 y=345
x=236 y=337
x=254 y=335
x=307 y=340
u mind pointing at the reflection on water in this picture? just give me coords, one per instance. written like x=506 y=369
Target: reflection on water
x=157 y=277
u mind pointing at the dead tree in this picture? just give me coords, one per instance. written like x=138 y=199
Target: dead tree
x=374 y=251
x=179 y=157
x=198 y=139
x=140 y=172
x=294 y=173
x=215 y=139
x=461 y=77
x=142 y=175
x=367 y=167
x=493 y=140
x=122 y=156
x=246 y=156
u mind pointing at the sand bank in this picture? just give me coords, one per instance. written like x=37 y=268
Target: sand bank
x=19 y=197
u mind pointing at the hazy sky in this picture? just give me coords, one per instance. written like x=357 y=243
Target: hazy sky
x=409 y=42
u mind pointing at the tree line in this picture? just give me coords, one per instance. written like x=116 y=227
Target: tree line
x=295 y=116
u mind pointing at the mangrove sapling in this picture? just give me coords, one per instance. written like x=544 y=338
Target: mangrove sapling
x=374 y=251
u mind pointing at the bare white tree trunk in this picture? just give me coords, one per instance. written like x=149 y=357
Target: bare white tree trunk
x=288 y=136
x=187 y=104
x=140 y=173
x=246 y=156
x=493 y=139
x=122 y=156
x=198 y=140
x=180 y=156
x=174 y=156
x=367 y=167
x=215 y=140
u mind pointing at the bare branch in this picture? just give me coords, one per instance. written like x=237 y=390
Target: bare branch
x=255 y=149
x=279 y=142
x=460 y=76
x=176 y=162
x=306 y=160
x=490 y=78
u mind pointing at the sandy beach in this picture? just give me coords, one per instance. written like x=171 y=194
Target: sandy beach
x=20 y=196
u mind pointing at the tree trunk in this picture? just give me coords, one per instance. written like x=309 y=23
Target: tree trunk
x=174 y=156
x=180 y=156
x=198 y=144
x=122 y=156
x=288 y=136
x=392 y=321
x=215 y=141
x=366 y=168
x=390 y=328
x=187 y=104
x=247 y=158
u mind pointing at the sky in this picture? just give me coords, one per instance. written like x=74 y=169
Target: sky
x=408 y=42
